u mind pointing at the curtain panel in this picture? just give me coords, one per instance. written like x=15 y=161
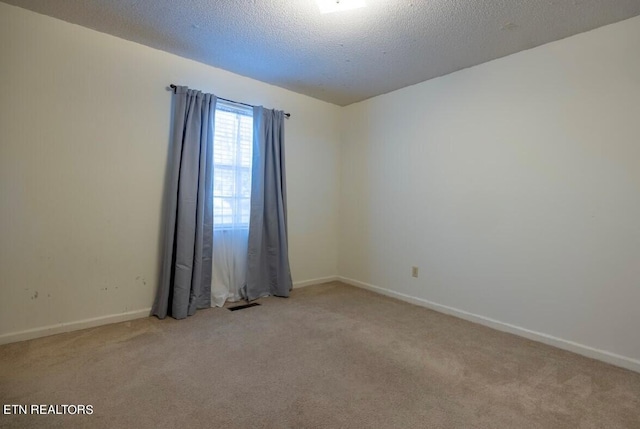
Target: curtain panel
x=185 y=282
x=268 y=271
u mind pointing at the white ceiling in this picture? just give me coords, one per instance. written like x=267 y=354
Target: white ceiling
x=341 y=57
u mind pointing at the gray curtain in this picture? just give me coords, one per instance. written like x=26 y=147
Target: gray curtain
x=185 y=283
x=268 y=270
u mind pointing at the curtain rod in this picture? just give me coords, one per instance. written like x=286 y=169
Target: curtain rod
x=174 y=87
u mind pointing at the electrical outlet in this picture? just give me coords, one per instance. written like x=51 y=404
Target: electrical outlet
x=414 y=271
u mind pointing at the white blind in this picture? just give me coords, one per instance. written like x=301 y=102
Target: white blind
x=232 y=155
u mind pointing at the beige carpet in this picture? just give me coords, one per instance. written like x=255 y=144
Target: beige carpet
x=331 y=356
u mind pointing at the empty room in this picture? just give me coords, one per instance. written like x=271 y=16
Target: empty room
x=320 y=214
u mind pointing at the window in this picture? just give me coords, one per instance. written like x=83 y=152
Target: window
x=232 y=155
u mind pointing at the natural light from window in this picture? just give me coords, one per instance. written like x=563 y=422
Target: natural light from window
x=232 y=156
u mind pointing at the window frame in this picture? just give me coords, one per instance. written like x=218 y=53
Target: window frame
x=239 y=171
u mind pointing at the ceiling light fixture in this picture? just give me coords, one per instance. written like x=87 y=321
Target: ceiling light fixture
x=328 y=6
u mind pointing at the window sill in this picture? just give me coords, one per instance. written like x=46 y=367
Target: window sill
x=230 y=228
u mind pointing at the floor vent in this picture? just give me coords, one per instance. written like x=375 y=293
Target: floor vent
x=242 y=307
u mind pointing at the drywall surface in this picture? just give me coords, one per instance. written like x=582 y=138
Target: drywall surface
x=514 y=186
x=84 y=129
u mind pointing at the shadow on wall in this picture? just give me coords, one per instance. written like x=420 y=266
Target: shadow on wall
x=165 y=194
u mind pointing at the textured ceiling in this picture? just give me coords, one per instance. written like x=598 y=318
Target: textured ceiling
x=341 y=57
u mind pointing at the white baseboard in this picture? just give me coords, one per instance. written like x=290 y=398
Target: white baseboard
x=59 y=328
x=602 y=355
x=317 y=281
